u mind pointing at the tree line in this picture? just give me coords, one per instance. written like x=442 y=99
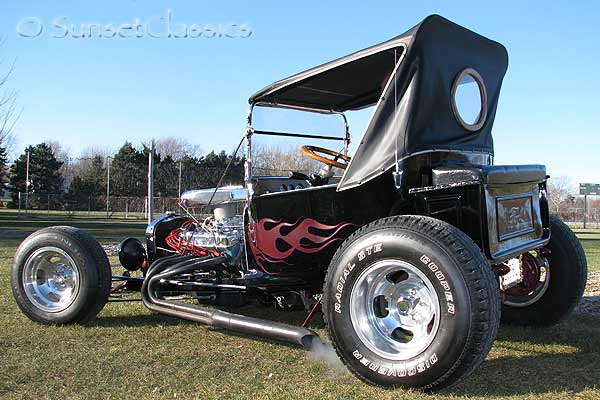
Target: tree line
x=177 y=166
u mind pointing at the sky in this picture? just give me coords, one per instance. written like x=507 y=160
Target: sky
x=100 y=92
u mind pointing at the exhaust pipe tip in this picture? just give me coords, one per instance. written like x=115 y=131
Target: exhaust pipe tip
x=309 y=340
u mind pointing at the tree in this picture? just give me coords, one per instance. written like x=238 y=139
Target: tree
x=561 y=192
x=3 y=170
x=279 y=160
x=129 y=172
x=8 y=118
x=81 y=165
x=60 y=153
x=213 y=166
x=166 y=176
x=176 y=148
x=63 y=155
x=87 y=184
x=91 y=180
x=44 y=172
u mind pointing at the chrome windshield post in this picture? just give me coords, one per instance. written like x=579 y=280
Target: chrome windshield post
x=346 y=133
x=248 y=163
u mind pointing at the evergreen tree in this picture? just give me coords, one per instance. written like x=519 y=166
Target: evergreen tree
x=128 y=172
x=213 y=165
x=166 y=176
x=91 y=181
x=44 y=172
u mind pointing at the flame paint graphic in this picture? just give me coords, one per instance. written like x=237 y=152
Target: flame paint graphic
x=263 y=240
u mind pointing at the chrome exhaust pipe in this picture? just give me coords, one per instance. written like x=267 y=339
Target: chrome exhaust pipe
x=170 y=266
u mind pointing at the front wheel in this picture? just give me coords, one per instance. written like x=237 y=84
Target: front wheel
x=411 y=301
x=61 y=275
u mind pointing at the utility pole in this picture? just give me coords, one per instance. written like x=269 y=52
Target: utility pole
x=108 y=187
x=585 y=211
x=179 y=178
x=151 y=183
x=27 y=186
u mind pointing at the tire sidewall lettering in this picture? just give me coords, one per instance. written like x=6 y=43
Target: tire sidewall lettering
x=367 y=255
x=449 y=287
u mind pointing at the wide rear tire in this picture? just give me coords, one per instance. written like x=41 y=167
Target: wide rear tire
x=61 y=275
x=567 y=276
x=412 y=302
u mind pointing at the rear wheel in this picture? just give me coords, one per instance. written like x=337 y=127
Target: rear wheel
x=411 y=301
x=553 y=280
x=61 y=275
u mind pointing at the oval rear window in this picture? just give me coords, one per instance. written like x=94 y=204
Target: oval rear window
x=469 y=100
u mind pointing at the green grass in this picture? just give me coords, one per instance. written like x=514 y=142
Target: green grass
x=590 y=240
x=104 y=229
x=128 y=352
x=58 y=214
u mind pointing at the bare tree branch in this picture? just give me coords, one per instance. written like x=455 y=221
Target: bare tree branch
x=561 y=191
x=9 y=112
x=176 y=148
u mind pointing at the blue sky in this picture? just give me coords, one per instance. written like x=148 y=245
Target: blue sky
x=99 y=92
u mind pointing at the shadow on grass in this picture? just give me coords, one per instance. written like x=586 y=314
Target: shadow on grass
x=533 y=375
x=286 y=317
x=543 y=368
x=534 y=364
x=295 y=317
x=528 y=361
x=125 y=321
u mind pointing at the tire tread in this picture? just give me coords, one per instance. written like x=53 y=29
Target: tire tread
x=89 y=244
x=480 y=280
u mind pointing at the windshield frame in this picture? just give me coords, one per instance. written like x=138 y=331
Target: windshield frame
x=250 y=132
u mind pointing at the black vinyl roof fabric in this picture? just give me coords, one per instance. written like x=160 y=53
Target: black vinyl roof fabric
x=414 y=112
x=349 y=83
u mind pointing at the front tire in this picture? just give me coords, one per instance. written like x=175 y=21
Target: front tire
x=61 y=275
x=563 y=283
x=411 y=301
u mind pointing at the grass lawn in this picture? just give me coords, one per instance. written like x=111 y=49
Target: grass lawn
x=128 y=352
x=590 y=240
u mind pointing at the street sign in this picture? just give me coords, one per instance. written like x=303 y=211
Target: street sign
x=589 y=189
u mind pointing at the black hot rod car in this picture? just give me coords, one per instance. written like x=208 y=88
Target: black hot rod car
x=415 y=253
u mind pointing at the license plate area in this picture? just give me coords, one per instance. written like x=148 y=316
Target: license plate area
x=514 y=219
x=515 y=215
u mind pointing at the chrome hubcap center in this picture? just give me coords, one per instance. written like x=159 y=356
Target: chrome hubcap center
x=404 y=306
x=51 y=279
x=394 y=309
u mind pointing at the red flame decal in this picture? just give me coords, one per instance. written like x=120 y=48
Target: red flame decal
x=298 y=237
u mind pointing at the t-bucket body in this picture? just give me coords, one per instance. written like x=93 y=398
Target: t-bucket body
x=413 y=254
x=417 y=155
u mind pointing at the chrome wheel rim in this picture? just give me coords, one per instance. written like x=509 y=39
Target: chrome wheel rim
x=516 y=297
x=395 y=310
x=51 y=279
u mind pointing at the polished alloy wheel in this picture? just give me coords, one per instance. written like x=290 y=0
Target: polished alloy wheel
x=394 y=309
x=51 y=279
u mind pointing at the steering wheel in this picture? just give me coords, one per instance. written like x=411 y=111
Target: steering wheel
x=312 y=152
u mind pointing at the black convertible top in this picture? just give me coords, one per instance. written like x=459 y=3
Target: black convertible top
x=410 y=78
